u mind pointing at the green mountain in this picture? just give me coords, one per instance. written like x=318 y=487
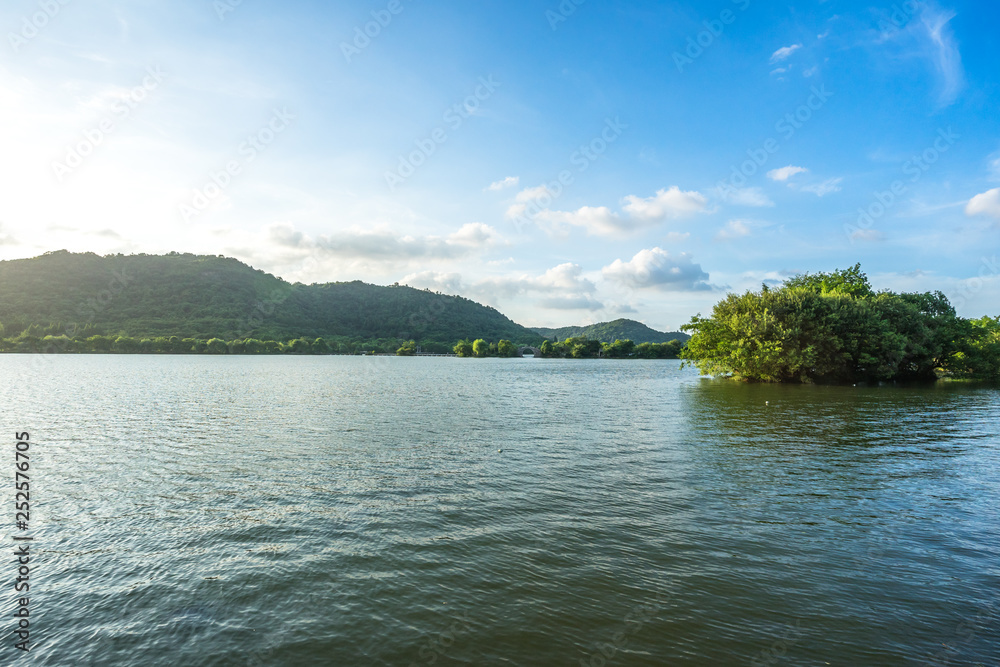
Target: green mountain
x=205 y=297
x=609 y=332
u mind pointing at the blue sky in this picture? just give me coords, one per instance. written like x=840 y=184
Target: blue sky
x=567 y=163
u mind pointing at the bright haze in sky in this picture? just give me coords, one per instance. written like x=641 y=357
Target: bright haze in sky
x=567 y=163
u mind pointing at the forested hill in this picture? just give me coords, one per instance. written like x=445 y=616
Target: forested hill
x=609 y=332
x=204 y=297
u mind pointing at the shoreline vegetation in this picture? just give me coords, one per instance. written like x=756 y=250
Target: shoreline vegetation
x=30 y=342
x=824 y=328
x=83 y=303
x=573 y=348
x=833 y=328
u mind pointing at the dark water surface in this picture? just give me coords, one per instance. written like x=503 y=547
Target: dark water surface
x=357 y=511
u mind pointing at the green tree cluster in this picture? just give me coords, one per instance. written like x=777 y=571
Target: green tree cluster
x=27 y=342
x=581 y=347
x=834 y=328
x=482 y=348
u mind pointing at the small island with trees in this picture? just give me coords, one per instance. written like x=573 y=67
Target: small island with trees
x=833 y=328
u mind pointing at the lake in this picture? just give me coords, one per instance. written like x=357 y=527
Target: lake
x=441 y=511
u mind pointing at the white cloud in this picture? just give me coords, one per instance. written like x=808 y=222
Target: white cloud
x=988 y=203
x=537 y=193
x=656 y=269
x=566 y=279
x=827 y=187
x=733 y=230
x=6 y=239
x=382 y=244
x=784 y=52
x=571 y=303
x=539 y=196
x=665 y=204
x=945 y=54
x=562 y=287
x=995 y=167
x=599 y=221
x=638 y=212
x=508 y=182
x=475 y=234
x=449 y=283
x=871 y=235
x=931 y=37
x=784 y=173
x=811 y=72
x=744 y=196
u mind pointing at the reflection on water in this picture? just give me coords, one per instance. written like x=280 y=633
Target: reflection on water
x=295 y=511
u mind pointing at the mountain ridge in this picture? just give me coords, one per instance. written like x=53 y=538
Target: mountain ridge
x=211 y=296
x=609 y=332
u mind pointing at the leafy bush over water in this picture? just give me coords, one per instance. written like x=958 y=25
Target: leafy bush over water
x=832 y=327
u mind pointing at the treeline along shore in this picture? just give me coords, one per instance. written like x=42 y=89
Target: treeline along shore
x=831 y=328
x=67 y=303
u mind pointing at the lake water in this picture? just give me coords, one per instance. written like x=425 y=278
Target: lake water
x=359 y=511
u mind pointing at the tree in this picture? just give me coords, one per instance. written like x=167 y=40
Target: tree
x=978 y=356
x=464 y=348
x=546 y=349
x=620 y=349
x=505 y=348
x=408 y=349
x=825 y=328
x=125 y=345
x=480 y=348
x=582 y=348
x=216 y=346
x=100 y=343
x=852 y=281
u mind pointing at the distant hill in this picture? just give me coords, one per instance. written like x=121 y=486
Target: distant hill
x=609 y=332
x=206 y=297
